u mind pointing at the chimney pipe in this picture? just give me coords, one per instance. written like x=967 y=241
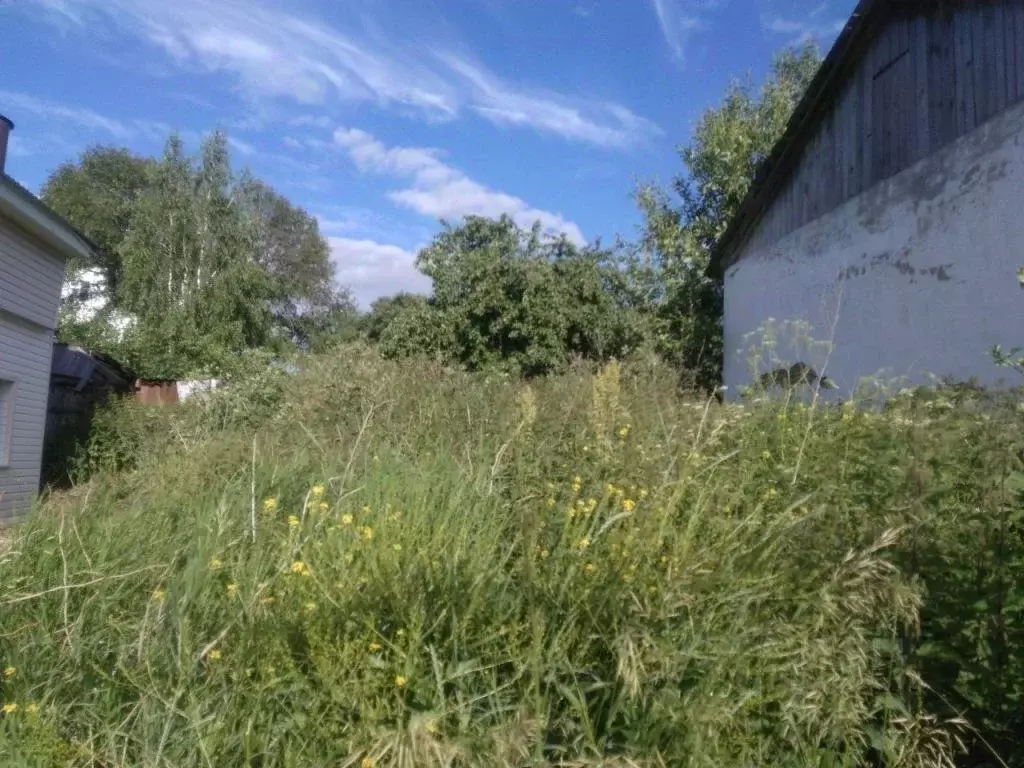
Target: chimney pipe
x=6 y=126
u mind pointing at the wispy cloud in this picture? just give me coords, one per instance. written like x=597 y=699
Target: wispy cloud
x=278 y=54
x=373 y=269
x=818 y=25
x=441 y=191
x=77 y=116
x=243 y=147
x=83 y=118
x=677 y=24
x=601 y=123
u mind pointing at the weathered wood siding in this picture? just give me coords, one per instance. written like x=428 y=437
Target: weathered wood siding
x=30 y=282
x=926 y=79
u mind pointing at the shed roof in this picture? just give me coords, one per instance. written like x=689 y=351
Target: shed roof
x=850 y=46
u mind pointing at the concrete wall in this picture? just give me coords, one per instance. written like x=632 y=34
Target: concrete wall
x=917 y=275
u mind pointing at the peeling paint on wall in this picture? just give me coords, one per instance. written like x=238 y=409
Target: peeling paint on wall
x=926 y=262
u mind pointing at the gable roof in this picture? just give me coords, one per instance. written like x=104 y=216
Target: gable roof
x=33 y=215
x=850 y=46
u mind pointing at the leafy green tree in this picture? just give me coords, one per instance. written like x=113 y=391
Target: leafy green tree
x=98 y=195
x=729 y=145
x=508 y=298
x=196 y=263
x=289 y=247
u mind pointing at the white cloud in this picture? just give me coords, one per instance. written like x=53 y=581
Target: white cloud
x=243 y=147
x=604 y=124
x=82 y=118
x=800 y=31
x=373 y=269
x=277 y=54
x=441 y=191
x=676 y=23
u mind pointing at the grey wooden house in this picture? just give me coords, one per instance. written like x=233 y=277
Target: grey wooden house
x=890 y=217
x=34 y=245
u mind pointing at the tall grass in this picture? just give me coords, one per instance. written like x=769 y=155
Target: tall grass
x=384 y=564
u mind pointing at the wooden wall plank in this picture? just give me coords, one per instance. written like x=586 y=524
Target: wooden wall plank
x=924 y=80
x=1016 y=11
x=919 y=61
x=980 y=64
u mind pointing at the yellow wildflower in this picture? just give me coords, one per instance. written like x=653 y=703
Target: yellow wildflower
x=232 y=590
x=214 y=655
x=375 y=647
x=323 y=507
x=577 y=484
x=610 y=489
x=624 y=432
x=310 y=607
x=10 y=708
x=544 y=554
x=366 y=510
x=400 y=681
x=347 y=519
x=400 y=633
x=293 y=521
x=317 y=491
x=551 y=501
x=629 y=505
x=10 y=672
x=398 y=547
x=301 y=568
x=772 y=493
x=590 y=568
x=367 y=763
x=766 y=455
x=583 y=543
x=159 y=595
x=643 y=494
x=366 y=532
x=270 y=505
x=216 y=565
x=33 y=709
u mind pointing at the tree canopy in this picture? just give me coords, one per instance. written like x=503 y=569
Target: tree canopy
x=197 y=263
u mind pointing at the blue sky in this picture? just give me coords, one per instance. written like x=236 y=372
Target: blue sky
x=382 y=116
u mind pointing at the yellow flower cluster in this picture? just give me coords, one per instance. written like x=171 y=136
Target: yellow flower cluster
x=10 y=672
x=301 y=569
x=577 y=484
x=366 y=532
x=216 y=565
x=293 y=521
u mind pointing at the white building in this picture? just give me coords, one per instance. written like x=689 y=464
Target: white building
x=889 y=220
x=34 y=245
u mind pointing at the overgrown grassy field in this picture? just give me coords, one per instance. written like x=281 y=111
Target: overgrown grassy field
x=391 y=564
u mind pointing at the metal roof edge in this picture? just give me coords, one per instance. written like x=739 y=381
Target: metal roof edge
x=33 y=215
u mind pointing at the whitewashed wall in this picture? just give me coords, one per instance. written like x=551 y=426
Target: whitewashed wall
x=917 y=275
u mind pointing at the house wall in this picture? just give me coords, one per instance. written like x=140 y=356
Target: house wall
x=917 y=274
x=926 y=79
x=30 y=283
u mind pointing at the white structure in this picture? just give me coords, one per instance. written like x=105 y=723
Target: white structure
x=890 y=218
x=34 y=244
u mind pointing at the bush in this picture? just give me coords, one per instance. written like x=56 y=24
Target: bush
x=411 y=565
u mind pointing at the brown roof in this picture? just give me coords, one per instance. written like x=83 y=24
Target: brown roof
x=851 y=44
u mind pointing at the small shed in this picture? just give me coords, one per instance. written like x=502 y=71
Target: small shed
x=80 y=381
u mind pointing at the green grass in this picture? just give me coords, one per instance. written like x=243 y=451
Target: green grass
x=582 y=571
